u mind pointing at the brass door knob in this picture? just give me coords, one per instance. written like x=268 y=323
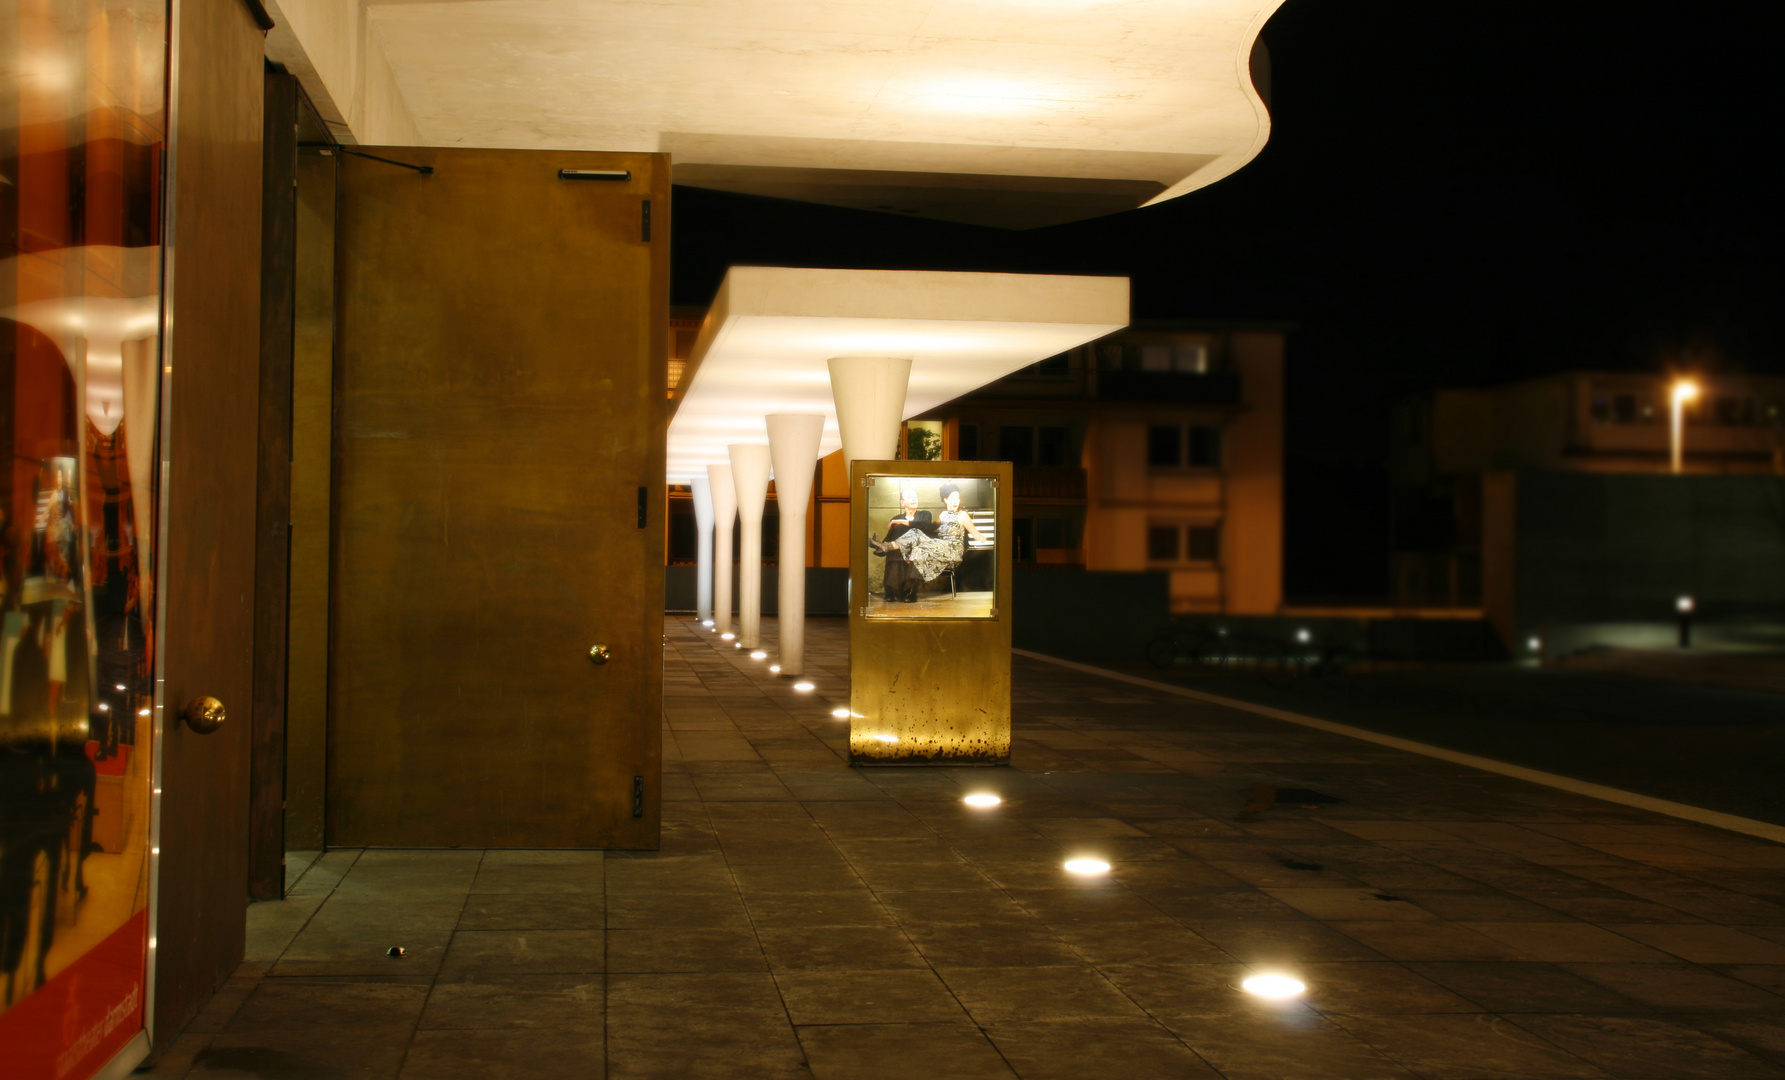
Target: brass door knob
x=598 y=653
x=204 y=714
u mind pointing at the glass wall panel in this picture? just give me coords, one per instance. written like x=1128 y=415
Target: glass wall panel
x=81 y=144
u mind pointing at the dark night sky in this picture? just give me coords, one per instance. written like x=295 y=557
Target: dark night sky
x=1451 y=194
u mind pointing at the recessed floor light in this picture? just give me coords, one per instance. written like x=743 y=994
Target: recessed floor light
x=1273 y=986
x=840 y=713
x=1087 y=866
x=982 y=800
x=759 y=655
x=726 y=637
x=776 y=668
x=803 y=687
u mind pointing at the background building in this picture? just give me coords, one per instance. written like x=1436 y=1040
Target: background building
x=1550 y=504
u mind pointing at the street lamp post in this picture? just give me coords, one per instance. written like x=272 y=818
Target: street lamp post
x=1683 y=391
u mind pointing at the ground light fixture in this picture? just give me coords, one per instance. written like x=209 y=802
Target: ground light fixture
x=1276 y=987
x=776 y=668
x=726 y=637
x=982 y=800
x=804 y=687
x=1087 y=866
x=1303 y=636
x=708 y=623
x=840 y=713
x=1685 y=605
x=759 y=655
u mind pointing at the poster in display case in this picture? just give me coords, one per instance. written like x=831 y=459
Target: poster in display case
x=929 y=627
x=933 y=542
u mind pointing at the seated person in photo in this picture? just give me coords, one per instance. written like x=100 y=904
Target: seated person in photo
x=932 y=556
x=900 y=582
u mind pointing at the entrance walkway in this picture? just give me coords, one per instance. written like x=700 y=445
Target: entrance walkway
x=807 y=920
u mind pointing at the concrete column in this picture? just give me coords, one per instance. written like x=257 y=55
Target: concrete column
x=793 y=447
x=750 y=478
x=725 y=515
x=703 y=561
x=870 y=396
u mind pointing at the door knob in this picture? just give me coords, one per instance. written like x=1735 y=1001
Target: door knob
x=204 y=714
x=598 y=653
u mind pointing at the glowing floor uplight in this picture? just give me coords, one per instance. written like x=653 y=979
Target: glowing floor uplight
x=804 y=687
x=886 y=738
x=1087 y=866
x=840 y=713
x=776 y=668
x=759 y=655
x=726 y=637
x=737 y=644
x=982 y=800
x=1273 y=986
x=708 y=624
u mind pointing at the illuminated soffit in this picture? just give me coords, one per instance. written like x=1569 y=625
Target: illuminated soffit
x=766 y=341
x=1007 y=112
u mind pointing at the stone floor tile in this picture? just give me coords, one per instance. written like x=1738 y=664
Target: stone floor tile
x=1128 y=943
x=1017 y=942
x=507 y=1054
x=854 y=906
x=862 y=948
x=1353 y=904
x=1037 y=993
x=718 y=1026
x=1428 y=941
x=924 y=907
x=1376 y=987
x=1705 y=944
x=1285 y=940
x=1272 y=1047
x=645 y=909
x=684 y=949
x=1570 y=942
x=1477 y=1046
x=1130 y=1049
x=475 y=953
x=956 y=1051
x=1637 y=1046
x=1679 y=988
x=1169 y=989
x=1525 y=988
x=520 y=1001
x=534 y=911
x=910 y=996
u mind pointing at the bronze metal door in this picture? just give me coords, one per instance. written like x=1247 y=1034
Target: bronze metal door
x=500 y=394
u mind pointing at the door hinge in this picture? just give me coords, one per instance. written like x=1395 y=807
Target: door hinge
x=638 y=796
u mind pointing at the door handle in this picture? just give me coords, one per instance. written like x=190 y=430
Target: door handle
x=204 y=714
x=599 y=654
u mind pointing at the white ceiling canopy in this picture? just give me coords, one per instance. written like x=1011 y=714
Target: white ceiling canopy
x=771 y=331
x=1016 y=113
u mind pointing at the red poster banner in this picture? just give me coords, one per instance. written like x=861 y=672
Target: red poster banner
x=77 y=1021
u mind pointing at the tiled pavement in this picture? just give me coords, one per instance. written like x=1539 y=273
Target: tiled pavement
x=809 y=920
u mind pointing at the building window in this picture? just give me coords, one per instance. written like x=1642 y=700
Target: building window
x=1165 y=446
x=1050 y=533
x=1016 y=444
x=1204 y=543
x=923 y=440
x=1056 y=446
x=1109 y=357
x=1162 y=543
x=967 y=442
x=1155 y=357
x=1623 y=408
x=1205 y=447
x=1190 y=359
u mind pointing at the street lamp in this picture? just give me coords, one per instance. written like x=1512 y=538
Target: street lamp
x=1684 y=390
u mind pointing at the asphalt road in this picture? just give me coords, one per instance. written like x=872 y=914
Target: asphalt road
x=1712 y=747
